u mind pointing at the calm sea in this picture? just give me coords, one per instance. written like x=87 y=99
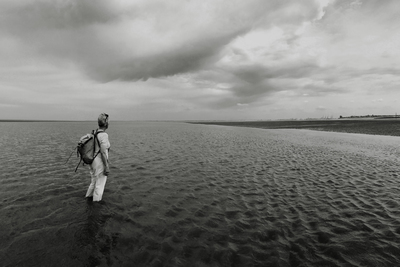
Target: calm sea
x=197 y=195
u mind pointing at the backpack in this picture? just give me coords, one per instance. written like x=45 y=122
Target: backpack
x=86 y=148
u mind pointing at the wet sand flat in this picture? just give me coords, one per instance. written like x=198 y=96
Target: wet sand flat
x=387 y=126
x=197 y=195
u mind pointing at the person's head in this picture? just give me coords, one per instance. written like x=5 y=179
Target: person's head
x=103 y=120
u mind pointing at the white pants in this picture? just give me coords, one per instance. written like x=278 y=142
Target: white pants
x=96 y=187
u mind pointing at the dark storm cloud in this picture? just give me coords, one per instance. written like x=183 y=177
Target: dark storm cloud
x=186 y=58
x=34 y=16
x=139 y=39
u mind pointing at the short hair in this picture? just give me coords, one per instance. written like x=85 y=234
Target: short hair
x=102 y=121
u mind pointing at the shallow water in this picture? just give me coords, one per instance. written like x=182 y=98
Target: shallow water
x=196 y=195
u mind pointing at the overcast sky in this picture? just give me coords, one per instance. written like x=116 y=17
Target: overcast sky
x=198 y=59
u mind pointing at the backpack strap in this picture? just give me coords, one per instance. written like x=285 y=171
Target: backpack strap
x=98 y=142
x=78 y=164
x=94 y=145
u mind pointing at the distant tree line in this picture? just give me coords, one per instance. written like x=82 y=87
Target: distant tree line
x=370 y=116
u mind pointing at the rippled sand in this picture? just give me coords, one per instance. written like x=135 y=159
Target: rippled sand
x=191 y=195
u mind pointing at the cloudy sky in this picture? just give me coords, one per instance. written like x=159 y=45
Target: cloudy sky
x=198 y=59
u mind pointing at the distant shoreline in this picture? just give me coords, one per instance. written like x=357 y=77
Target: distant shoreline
x=94 y=120
x=372 y=126
x=36 y=121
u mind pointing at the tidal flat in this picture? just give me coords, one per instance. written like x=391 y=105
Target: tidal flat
x=363 y=126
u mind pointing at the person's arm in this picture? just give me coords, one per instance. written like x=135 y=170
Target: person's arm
x=105 y=162
x=103 y=153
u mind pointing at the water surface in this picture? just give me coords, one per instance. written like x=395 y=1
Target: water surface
x=197 y=195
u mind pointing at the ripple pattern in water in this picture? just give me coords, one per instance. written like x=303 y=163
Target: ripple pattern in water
x=195 y=195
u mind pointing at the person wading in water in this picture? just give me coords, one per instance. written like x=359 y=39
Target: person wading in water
x=99 y=169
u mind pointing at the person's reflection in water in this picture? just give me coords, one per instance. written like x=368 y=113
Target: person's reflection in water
x=93 y=244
